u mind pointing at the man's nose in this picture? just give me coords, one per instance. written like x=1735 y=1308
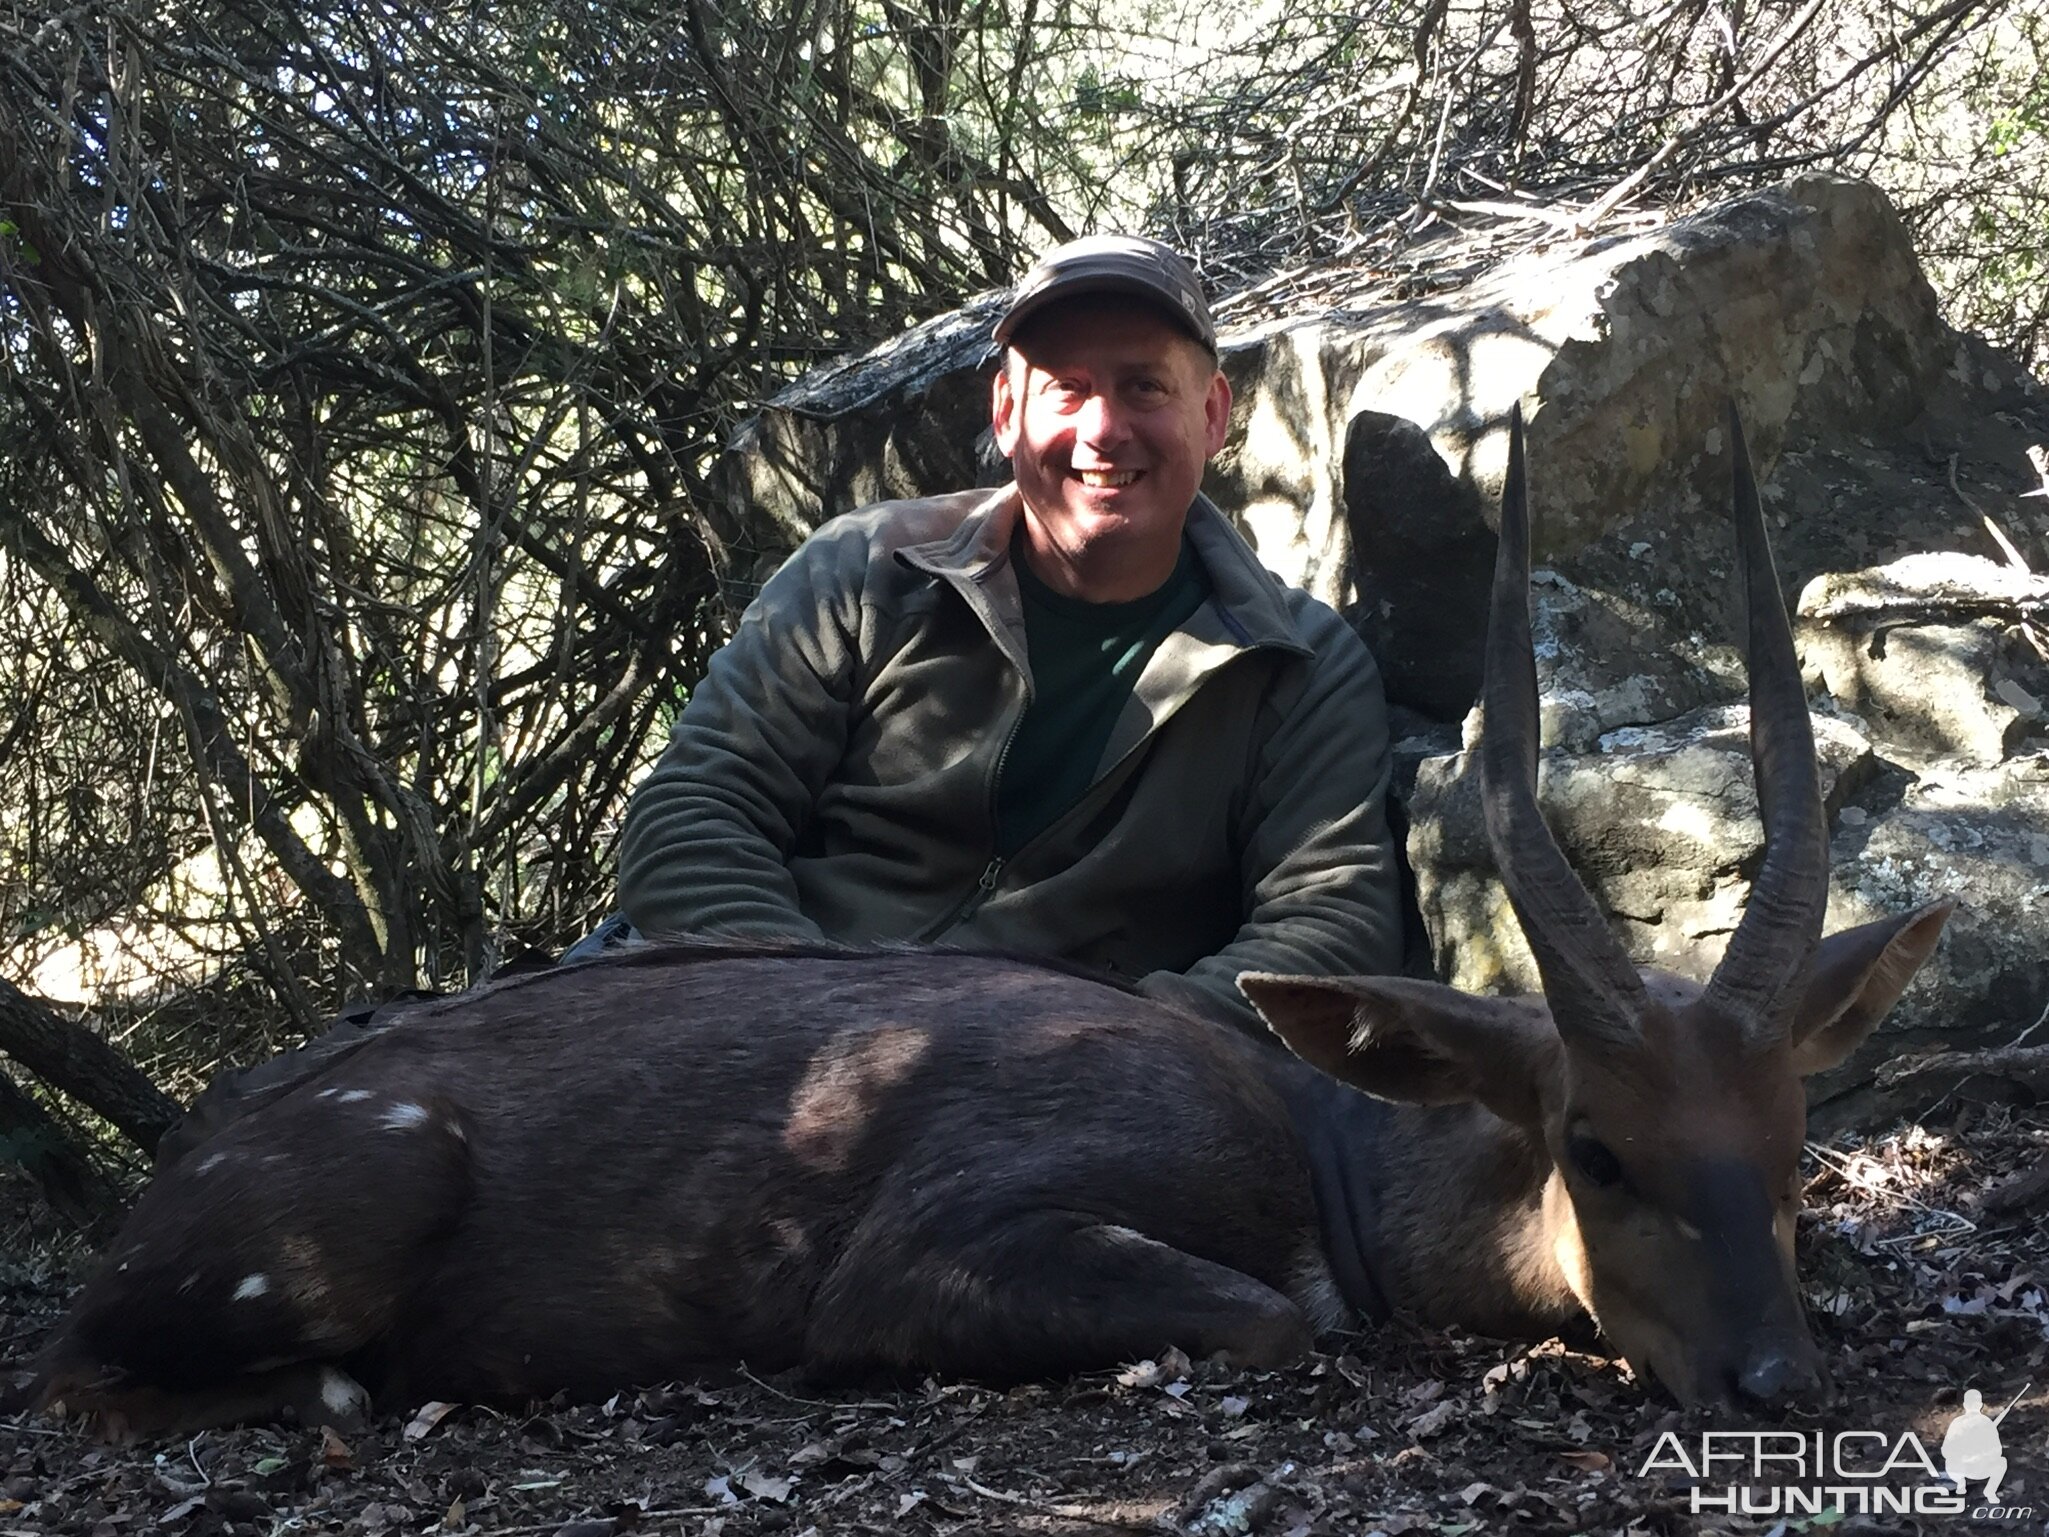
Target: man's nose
x=1102 y=421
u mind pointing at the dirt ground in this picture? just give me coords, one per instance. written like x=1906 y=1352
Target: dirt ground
x=1923 y=1256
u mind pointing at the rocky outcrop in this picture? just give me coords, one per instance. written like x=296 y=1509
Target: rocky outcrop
x=1364 y=461
x=1981 y=836
x=1943 y=650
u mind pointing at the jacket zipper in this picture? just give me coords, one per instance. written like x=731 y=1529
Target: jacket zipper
x=992 y=872
x=984 y=889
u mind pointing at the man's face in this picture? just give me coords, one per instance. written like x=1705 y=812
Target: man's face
x=1108 y=411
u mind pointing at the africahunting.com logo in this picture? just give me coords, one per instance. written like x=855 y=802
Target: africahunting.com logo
x=1845 y=1472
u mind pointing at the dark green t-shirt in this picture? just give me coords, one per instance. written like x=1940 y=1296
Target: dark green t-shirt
x=1085 y=659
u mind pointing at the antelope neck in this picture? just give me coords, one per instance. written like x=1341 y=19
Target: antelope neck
x=1382 y=1174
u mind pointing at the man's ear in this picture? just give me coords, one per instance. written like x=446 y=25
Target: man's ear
x=1216 y=413
x=1418 y=1043
x=1857 y=976
x=1003 y=422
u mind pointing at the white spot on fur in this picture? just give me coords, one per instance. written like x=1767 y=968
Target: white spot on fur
x=455 y=1130
x=211 y=1162
x=341 y=1393
x=254 y=1285
x=353 y=1095
x=327 y=1094
x=402 y=1115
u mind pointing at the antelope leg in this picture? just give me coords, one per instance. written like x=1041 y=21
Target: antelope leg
x=1040 y=1294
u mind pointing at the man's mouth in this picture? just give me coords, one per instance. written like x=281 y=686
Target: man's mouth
x=1107 y=480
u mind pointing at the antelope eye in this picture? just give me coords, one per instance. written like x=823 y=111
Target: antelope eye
x=1590 y=1156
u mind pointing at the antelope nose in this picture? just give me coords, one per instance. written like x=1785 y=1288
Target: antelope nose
x=1778 y=1370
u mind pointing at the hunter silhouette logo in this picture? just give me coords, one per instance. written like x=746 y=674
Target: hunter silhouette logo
x=1970 y=1447
x=1859 y=1471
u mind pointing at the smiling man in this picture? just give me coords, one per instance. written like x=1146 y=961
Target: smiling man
x=1107 y=416
x=1072 y=717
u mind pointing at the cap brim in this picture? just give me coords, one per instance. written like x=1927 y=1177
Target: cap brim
x=1092 y=286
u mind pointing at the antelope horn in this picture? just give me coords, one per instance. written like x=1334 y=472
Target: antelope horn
x=1768 y=954
x=1594 y=992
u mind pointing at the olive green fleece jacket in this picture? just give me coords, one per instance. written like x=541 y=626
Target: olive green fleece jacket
x=833 y=775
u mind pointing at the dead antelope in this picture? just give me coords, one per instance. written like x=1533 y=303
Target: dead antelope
x=907 y=1162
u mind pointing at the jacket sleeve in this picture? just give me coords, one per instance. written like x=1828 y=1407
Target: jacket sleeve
x=1322 y=889
x=709 y=831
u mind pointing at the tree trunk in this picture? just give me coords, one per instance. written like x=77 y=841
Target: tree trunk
x=74 y=1061
x=74 y=1186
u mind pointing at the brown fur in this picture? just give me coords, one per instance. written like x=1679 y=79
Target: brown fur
x=908 y=1162
x=1686 y=1260
x=623 y=1172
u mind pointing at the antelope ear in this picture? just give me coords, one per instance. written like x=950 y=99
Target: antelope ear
x=1418 y=1043
x=1856 y=977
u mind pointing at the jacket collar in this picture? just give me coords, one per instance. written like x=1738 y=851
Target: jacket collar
x=975 y=559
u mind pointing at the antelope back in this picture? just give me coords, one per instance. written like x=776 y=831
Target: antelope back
x=627 y=1171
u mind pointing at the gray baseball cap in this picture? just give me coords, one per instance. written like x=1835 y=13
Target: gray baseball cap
x=1112 y=264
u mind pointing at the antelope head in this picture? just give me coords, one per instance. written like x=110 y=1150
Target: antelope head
x=1672 y=1112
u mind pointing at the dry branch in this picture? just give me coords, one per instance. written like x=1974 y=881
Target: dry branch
x=69 y=1057
x=2024 y=1065
x=372 y=365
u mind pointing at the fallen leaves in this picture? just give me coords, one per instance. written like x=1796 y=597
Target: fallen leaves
x=1408 y=1432
x=727 y=1488
x=422 y=1424
x=1434 y=1421
x=765 y=1487
x=335 y=1453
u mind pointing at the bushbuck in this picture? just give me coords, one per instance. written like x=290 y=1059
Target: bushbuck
x=908 y=1162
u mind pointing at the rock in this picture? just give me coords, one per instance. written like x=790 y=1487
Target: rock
x=1661 y=825
x=1930 y=646
x=1425 y=557
x=1595 y=671
x=1935 y=587
x=2022 y=702
x=1659 y=821
x=1805 y=299
x=906 y=419
x=1981 y=836
x=1804 y=302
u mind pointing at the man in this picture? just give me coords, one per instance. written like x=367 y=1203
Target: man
x=1970 y=1447
x=1072 y=717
